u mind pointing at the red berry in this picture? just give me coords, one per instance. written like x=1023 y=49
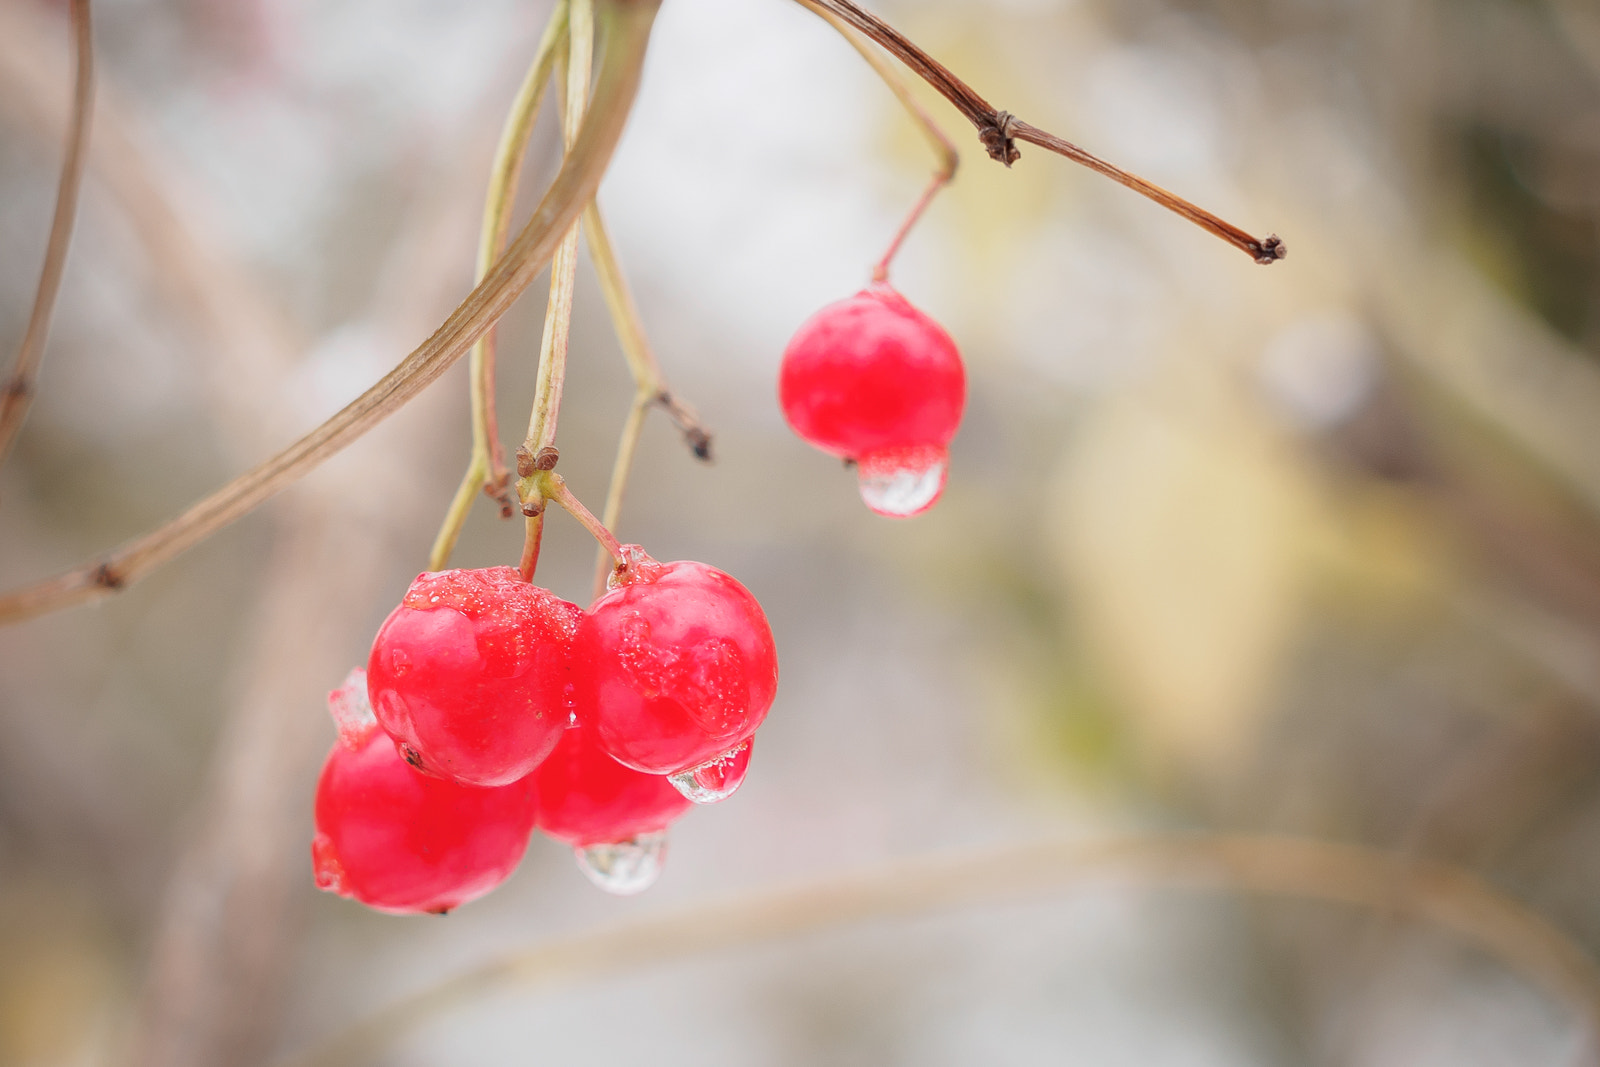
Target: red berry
x=876 y=381
x=400 y=841
x=588 y=798
x=470 y=674
x=673 y=667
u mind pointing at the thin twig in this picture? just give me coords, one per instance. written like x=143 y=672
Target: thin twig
x=943 y=147
x=486 y=470
x=16 y=395
x=650 y=387
x=563 y=280
x=1000 y=130
x=1267 y=865
x=628 y=30
x=553 y=487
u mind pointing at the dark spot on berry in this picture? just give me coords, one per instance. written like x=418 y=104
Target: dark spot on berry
x=440 y=911
x=411 y=756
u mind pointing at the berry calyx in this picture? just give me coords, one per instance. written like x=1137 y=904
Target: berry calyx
x=674 y=666
x=470 y=674
x=404 y=842
x=878 y=382
x=588 y=798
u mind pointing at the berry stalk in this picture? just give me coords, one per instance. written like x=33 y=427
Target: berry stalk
x=16 y=395
x=551 y=486
x=486 y=470
x=650 y=387
x=627 y=24
x=943 y=147
x=1000 y=130
x=563 y=279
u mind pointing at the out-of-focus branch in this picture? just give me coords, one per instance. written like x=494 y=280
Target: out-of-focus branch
x=1296 y=868
x=627 y=24
x=1000 y=131
x=16 y=395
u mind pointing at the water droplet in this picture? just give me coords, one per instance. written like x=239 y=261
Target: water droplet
x=901 y=482
x=352 y=710
x=715 y=779
x=624 y=867
x=325 y=865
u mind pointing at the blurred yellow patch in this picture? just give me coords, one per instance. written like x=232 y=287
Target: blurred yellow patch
x=1181 y=530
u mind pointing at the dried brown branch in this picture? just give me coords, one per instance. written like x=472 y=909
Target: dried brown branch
x=16 y=395
x=628 y=28
x=1273 y=866
x=1000 y=130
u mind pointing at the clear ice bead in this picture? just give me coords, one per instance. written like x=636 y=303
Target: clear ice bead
x=624 y=867
x=902 y=482
x=352 y=710
x=715 y=779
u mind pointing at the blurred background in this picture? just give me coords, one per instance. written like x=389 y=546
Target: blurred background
x=1306 y=550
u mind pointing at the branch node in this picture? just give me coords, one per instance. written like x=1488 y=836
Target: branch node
x=533 y=508
x=546 y=458
x=107 y=578
x=525 y=467
x=998 y=137
x=16 y=388
x=1271 y=249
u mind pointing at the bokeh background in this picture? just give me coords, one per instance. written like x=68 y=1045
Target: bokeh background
x=1308 y=550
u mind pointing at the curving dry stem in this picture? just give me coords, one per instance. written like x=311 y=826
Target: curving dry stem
x=627 y=33
x=1273 y=866
x=16 y=395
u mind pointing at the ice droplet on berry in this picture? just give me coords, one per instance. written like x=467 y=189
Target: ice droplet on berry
x=624 y=867
x=902 y=482
x=351 y=710
x=717 y=778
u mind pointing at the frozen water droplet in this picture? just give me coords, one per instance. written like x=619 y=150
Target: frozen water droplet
x=352 y=710
x=901 y=482
x=624 y=867
x=715 y=779
x=325 y=865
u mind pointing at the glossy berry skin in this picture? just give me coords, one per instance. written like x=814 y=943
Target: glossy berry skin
x=872 y=373
x=401 y=841
x=674 y=666
x=470 y=674
x=588 y=798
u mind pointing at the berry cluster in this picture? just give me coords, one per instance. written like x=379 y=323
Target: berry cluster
x=491 y=706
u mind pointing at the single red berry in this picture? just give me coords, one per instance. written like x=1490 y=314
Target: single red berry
x=470 y=674
x=876 y=381
x=675 y=666
x=588 y=798
x=401 y=841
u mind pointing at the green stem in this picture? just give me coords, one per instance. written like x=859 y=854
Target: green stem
x=486 y=469
x=563 y=278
